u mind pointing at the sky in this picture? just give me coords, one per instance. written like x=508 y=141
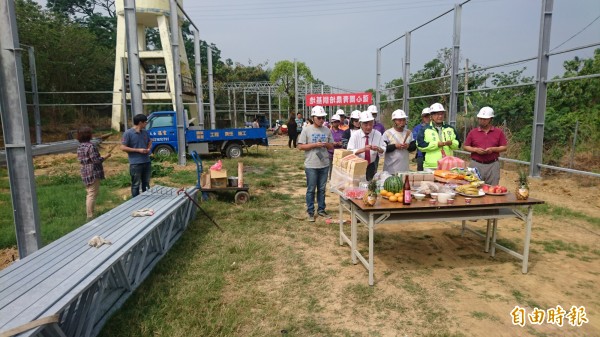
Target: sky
x=338 y=39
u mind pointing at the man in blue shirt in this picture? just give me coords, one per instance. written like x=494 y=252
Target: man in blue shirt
x=137 y=143
x=425 y=120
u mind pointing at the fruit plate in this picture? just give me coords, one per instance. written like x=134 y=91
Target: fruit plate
x=505 y=193
x=481 y=194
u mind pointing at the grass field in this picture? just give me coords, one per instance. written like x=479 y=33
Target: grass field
x=271 y=273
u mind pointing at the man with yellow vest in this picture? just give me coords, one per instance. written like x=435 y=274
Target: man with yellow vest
x=437 y=139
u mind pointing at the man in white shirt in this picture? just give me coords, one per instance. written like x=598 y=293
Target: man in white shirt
x=367 y=143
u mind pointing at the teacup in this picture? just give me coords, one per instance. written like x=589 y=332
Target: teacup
x=468 y=200
x=450 y=201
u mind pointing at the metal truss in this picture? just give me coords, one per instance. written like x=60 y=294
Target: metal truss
x=86 y=285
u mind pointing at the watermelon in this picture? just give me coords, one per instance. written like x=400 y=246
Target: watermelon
x=393 y=184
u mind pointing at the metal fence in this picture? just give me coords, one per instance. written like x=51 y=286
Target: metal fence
x=540 y=79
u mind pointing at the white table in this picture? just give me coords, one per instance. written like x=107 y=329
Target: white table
x=490 y=208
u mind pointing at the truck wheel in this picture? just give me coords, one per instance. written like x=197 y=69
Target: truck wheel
x=163 y=151
x=233 y=151
x=242 y=197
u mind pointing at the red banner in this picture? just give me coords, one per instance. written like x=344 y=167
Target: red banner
x=339 y=99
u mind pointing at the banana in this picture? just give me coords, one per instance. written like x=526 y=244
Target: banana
x=468 y=189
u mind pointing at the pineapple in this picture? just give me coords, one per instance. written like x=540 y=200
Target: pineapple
x=522 y=192
x=370 y=197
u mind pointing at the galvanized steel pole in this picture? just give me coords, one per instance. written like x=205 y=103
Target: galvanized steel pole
x=539 y=111
x=199 y=91
x=296 y=85
x=181 y=114
x=455 y=70
x=124 y=91
x=36 y=96
x=211 y=90
x=235 y=118
x=270 y=113
x=378 y=79
x=133 y=58
x=15 y=127
x=406 y=74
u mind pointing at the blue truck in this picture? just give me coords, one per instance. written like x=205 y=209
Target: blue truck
x=162 y=127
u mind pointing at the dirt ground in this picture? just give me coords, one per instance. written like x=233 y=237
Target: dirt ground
x=492 y=287
x=567 y=276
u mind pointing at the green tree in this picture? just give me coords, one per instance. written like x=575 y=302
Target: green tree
x=68 y=57
x=283 y=76
x=98 y=16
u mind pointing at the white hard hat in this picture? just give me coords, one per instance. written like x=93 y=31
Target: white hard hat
x=335 y=117
x=318 y=111
x=399 y=114
x=355 y=114
x=425 y=111
x=436 y=107
x=486 y=112
x=340 y=112
x=366 y=116
x=372 y=109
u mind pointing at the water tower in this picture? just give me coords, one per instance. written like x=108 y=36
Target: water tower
x=156 y=62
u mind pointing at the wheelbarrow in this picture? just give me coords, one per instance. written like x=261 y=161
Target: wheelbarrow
x=241 y=193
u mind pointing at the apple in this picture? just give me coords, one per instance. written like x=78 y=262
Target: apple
x=486 y=188
x=504 y=189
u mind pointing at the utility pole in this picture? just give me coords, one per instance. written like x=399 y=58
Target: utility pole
x=466 y=86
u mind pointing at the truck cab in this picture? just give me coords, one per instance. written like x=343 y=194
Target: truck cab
x=162 y=128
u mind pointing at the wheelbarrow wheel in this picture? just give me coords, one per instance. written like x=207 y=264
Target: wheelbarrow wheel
x=242 y=197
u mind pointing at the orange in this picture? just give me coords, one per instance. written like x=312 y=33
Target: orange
x=383 y=192
x=393 y=198
x=398 y=195
x=389 y=194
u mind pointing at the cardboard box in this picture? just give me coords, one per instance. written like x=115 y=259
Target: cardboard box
x=218 y=182
x=219 y=174
x=341 y=153
x=205 y=180
x=357 y=167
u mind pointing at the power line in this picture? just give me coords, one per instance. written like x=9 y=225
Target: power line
x=248 y=16
x=295 y=4
x=579 y=32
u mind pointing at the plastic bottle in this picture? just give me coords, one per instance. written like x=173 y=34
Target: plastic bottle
x=406 y=196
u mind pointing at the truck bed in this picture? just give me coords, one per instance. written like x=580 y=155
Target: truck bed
x=195 y=134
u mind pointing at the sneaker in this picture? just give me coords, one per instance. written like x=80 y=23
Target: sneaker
x=324 y=214
x=311 y=218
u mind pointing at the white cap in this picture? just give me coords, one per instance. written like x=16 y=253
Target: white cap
x=318 y=111
x=486 y=112
x=372 y=109
x=335 y=117
x=425 y=112
x=436 y=107
x=399 y=114
x=355 y=114
x=340 y=112
x=366 y=116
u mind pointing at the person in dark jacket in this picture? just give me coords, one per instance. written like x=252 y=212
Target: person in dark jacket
x=292 y=131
